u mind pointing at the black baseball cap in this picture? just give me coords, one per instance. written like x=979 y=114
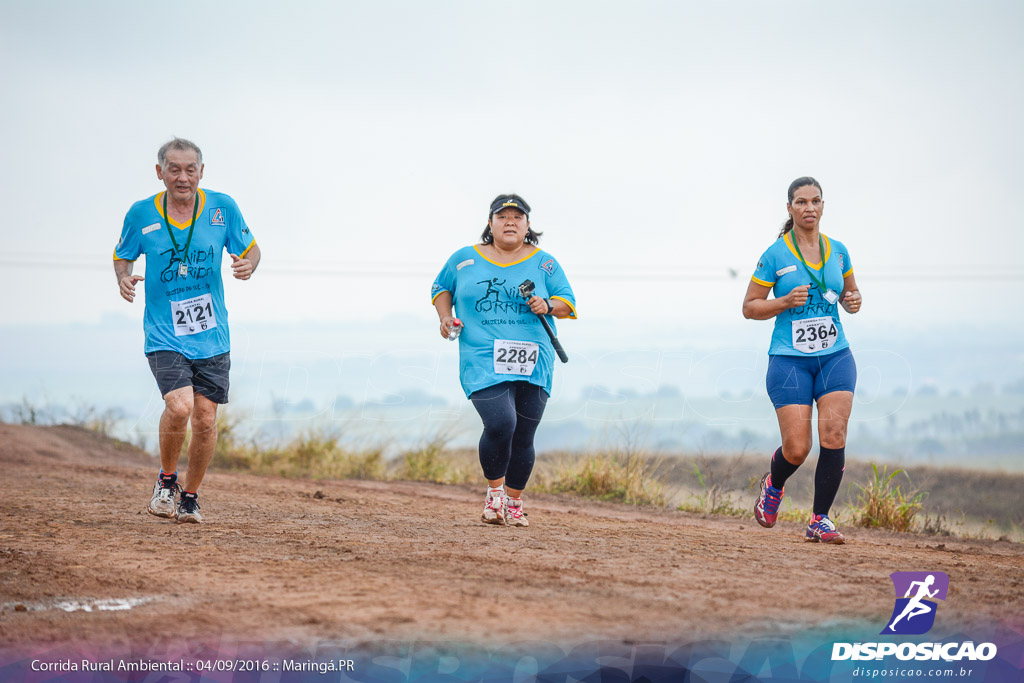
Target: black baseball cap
x=509 y=201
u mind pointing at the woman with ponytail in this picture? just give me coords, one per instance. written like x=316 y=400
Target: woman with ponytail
x=809 y=360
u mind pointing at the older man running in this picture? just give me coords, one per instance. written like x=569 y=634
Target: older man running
x=183 y=232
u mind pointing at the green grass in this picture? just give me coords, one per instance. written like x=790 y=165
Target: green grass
x=619 y=475
x=434 y=462
x=882 y=504
x=315 y=454
x=319 y=454
x=712 y=498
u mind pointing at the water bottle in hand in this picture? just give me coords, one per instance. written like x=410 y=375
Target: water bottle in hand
x=455 y=329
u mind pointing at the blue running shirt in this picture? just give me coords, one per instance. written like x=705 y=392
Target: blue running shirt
x=498 y=323
x=185 y=313
x=812 y=329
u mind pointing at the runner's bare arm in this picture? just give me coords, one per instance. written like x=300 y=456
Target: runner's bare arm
x=559 y=308
x=243 y=268
x=757 y=306
x=851 y=295
x=125 y=280
x=443 y=306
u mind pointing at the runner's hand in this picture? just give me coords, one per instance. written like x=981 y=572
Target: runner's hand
x=538 y=305
x=242 y=267
x=798 y=297
x=446 y=325
x=851 y=301
x=128 y=287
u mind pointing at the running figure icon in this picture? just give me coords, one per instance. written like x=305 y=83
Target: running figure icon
x=491 y=289
x=916 y=607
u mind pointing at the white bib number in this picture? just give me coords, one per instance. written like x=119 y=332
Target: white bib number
x=811 y=335
x=193 y=316
x=515 y=357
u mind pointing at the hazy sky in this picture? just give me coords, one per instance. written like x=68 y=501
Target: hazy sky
x=655 y=141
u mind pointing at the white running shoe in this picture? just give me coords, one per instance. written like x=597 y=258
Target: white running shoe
x=495 y=504
x=188 y=509
x=164 y=502
x=514 y=515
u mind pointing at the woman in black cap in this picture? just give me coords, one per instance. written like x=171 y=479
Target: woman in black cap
x=505 y=356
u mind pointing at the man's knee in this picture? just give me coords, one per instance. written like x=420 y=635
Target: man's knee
x=178 y=405
x=204 y=416
x=204 y=423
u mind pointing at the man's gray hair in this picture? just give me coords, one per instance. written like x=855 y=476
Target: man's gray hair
x=180 y=144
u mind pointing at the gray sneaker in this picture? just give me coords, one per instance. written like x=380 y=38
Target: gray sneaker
x=514 y=515
x=188 y=508
x=164 y=500
x=494 y=508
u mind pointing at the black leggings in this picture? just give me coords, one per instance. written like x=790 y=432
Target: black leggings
x=511 y=412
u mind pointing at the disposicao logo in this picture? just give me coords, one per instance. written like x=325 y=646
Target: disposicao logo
x=914 y=614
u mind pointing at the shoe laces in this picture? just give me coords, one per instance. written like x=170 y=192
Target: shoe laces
x=824 y=523
x=772 y=498
x=168 y=492
x=189 y=504
x=494 y=502
x=515 y=511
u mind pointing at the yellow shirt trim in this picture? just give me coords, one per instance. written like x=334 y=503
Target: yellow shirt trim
x=762 y=282
x=434 y=298
x=788 y=239
x=251 y=245
x=572 y=309
x=506 y=265
x=159 y=201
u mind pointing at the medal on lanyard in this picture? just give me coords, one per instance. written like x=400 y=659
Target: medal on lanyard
x=827 y=293
x=183 y=266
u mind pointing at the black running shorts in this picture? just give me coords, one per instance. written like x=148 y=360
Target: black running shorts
x=207 y=376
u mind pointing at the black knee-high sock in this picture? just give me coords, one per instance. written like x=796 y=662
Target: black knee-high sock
x=828 y=475
x=782 y=469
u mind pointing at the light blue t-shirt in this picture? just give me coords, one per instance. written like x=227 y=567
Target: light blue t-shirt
x=487 y=301
x=781 y=269
x=185 y=313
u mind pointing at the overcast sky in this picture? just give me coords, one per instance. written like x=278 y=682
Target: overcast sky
x=654 y=140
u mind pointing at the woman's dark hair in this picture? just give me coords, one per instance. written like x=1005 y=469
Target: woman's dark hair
x=531 y=236
x=793 y=187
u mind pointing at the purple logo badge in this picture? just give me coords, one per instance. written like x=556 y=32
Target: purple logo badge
x=916 y=593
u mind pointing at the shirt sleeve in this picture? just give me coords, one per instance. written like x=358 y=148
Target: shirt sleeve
x=845 y=254
x=559 y=287
x=764 y=274
x=239 y=238
x=129 y=247
x=444 y=282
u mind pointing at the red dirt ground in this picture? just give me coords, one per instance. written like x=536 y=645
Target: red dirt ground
x=310 y=561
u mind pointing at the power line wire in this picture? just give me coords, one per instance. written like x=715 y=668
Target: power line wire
x=680 y=273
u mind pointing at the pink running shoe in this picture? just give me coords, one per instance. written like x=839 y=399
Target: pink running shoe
x=514 y=515
x=823 y=529
x=495 y=504
x=766 y=510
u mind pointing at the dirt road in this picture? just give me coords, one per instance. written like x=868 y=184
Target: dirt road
x=312 y=561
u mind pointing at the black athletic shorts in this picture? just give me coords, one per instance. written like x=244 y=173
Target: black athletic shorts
x=207 y=376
